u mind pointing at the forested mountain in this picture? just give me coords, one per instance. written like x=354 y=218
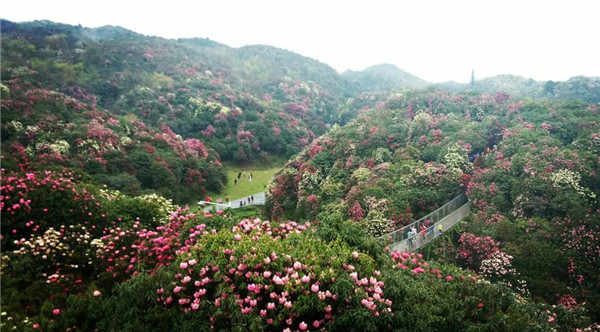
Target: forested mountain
x=382 y=77
x=104 y=129
x=579 y=87
x=245 y=104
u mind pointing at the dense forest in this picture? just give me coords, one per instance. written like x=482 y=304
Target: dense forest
x=108 y=134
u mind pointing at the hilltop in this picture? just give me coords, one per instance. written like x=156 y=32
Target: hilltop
x=383 y=77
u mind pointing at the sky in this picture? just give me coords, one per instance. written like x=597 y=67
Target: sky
x=436 y=40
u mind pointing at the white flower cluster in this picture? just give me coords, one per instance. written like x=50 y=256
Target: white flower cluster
x=91 y=143
x=378 y=224
x=422 y=116
x=564 y=179
x=60 y=147
x=59 y=250
x=456 y=157
x=376 y=221
x=310 y=180
x=361 y=174
x=165 y=206
x=110 y=194
x=498 y=266
x=18 y=126
x=124 y=140
x=382 y=155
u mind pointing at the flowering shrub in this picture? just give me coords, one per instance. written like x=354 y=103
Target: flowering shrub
x=473 y=250
x=34 y=201
x=499 y=268
x=264 y=278
x=566 y=179
x=164 y=206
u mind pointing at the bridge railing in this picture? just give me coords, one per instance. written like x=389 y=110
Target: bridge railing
x=401 y=234
x=417 y=241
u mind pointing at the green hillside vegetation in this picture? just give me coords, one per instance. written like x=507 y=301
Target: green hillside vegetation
x=530 y=169
x=108 y=135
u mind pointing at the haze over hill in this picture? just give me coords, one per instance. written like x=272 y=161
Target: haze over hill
x=436 y=40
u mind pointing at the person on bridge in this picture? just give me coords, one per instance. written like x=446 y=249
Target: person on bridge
x=410 y=239
x=441 y=228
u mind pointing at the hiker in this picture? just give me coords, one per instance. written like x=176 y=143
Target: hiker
x=423 y=230
x=235 y=182
x=410 y=238
x=227 y=199
x=252 y=198
x=241 y=204
x=441 y=229
x=239 y=175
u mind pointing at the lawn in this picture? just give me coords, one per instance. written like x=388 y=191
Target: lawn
x=261 y=174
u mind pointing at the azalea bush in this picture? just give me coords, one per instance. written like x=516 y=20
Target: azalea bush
x=33 y=201
x=263 y=276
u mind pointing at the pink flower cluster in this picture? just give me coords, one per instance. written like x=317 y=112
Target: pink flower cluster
x=128 y=250
x=272 y=288
x=282 y=230
x=474 y=249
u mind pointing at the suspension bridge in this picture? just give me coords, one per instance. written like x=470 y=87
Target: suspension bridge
x=446 y=216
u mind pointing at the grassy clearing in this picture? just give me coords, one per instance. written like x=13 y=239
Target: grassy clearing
x=262 y=173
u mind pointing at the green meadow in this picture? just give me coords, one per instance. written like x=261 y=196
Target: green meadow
x=261 y=172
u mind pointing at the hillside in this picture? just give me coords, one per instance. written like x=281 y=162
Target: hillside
x=530 y=169
x=191 y=85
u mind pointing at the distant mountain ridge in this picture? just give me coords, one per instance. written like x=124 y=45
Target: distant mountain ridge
x=578 y=87
x=276 y=64
x=383 y=77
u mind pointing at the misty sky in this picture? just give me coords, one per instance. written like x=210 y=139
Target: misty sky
x=437 y=40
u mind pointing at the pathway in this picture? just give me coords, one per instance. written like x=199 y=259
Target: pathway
x=259 y=199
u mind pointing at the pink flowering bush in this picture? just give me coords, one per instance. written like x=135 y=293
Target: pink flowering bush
x=33 y=201
x=269 y=276
x=474 y=249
